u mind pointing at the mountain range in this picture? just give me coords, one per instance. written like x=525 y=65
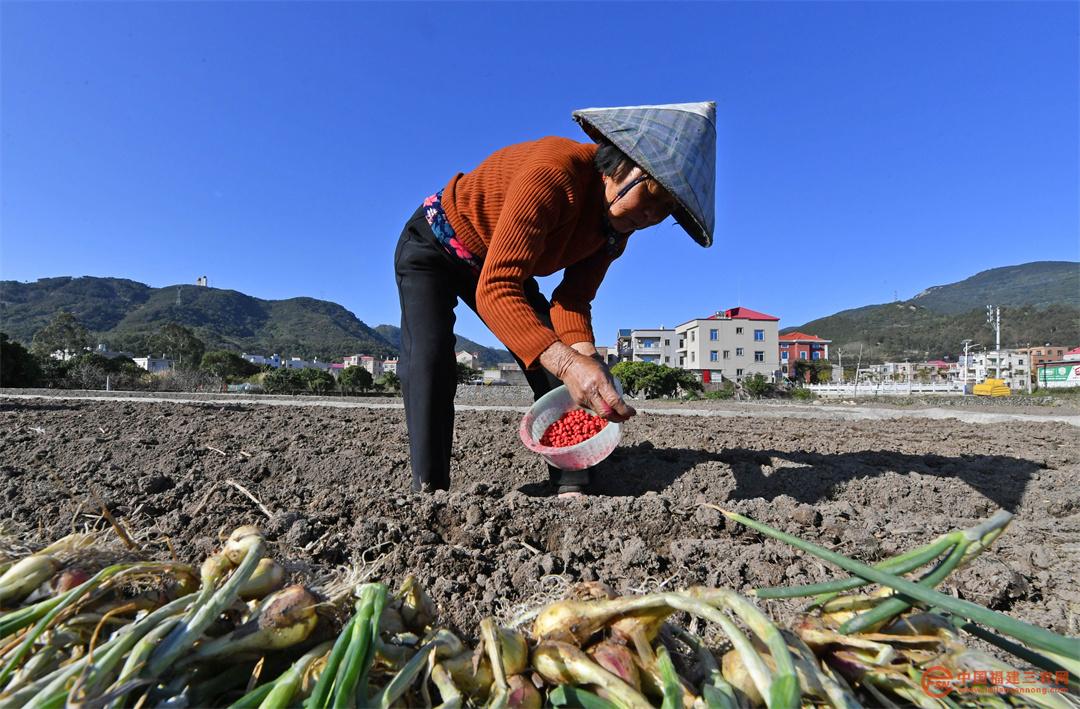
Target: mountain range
x=1040 y=303
x=124 y=314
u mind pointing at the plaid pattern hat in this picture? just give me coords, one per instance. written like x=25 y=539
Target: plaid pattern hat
x=676 y=144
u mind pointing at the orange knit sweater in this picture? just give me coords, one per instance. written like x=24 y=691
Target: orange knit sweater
x=529 y=210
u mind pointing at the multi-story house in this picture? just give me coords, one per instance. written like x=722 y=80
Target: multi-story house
x=610 y=355
x=299 y=363
x=798 y=345
x=652 y=345
x=1046 y=353
x=273 y=360
x=1012 y=366
x=623 y=347
x=505 y=373
x=390 y=365
x=371 y=364
x=732 y=344
x=468 y=359
x=153 y=364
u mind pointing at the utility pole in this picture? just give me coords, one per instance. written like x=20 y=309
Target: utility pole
x=968 y=347
x=858 y=369
x=993 y=319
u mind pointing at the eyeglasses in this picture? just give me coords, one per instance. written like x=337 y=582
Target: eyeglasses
x=629 y=186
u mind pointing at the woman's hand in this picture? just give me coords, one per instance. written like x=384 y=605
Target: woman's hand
x=588 y=380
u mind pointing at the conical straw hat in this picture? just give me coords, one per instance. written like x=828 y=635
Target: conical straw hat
x=676 y=144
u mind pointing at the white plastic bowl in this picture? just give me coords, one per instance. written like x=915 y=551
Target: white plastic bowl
x=550 y=408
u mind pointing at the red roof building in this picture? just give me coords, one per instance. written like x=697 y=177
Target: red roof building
x=741 y=313
x=798 y=345
x=729 y=344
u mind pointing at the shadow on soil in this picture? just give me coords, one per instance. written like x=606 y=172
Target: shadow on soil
x=807 y=477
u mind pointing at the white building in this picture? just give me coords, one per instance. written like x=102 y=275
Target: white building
x=154 y=364
x=610 y=355
x=273 y=360
x=102 y=350
x=506 y=373
x=468 y=359
x=1013 y=367
x=892 y=371
x=298 y=363
x=375 y=367
x=1058 y=375
x=648 y=345
x=732 y=344
x=390 y=365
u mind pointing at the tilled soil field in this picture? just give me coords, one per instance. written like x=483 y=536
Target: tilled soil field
x=333 y=484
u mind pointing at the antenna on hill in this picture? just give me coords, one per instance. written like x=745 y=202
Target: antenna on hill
x=178 y=295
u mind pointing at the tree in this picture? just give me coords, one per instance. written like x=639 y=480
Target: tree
x=65 y=333
x=18 y=368
x=687 y=381
x=466 y=374
x=757 y=386
x=354 y=379
x=92 y=371
x=281 y=380
x=179 y=344
x=227 y=365
x=389 y=381
x=812 y=371
x=317 y=381
x=654 y=380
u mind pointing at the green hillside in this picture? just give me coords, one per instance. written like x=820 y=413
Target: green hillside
x=1040 y=283
x=1040 y=303
x=99 y=303
x=124 y=314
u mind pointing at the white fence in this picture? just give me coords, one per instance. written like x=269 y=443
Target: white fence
x=887 y=388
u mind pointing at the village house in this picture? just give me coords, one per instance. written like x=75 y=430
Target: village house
x=1012 y=366
x=655 y=345
x=1046 y=353
x=798 y=345
x=273 y=360
x=469 y=359
x=1062 y=373
x=153 y=364
x=729 y=344
x=373 y=365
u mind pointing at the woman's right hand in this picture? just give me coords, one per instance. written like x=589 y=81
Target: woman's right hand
x=588 y=381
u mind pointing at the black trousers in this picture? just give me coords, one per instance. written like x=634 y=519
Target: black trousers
x=430 y=282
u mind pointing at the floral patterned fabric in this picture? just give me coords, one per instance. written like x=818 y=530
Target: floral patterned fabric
x=444 y=233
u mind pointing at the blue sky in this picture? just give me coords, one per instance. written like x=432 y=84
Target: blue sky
x=864 y=148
